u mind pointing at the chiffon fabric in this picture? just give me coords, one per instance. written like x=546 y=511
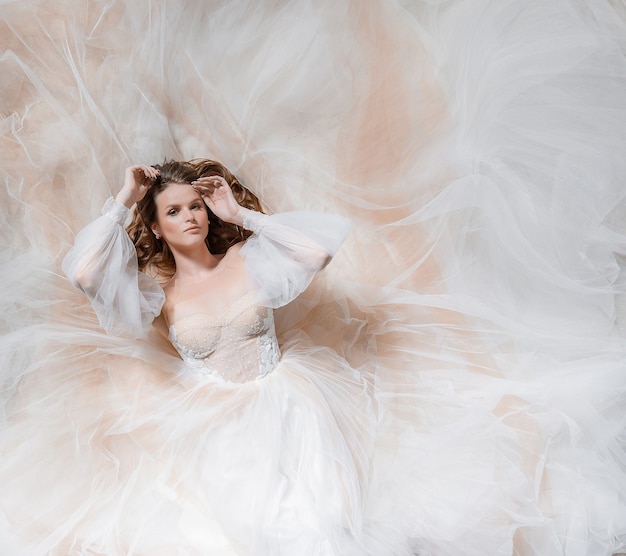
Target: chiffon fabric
x=453 y=383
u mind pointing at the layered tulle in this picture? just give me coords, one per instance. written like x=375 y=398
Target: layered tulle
x=476 y=146
x=137 y=462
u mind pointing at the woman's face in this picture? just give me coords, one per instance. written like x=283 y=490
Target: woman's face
x=182 y=218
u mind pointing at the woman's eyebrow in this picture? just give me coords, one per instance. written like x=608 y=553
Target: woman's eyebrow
x=178 y=205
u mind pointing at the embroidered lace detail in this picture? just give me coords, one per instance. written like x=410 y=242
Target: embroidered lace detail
x=233 y=350
x=269 y=352
x=196 y=362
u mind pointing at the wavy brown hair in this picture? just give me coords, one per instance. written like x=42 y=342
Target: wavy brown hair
x=153 y=254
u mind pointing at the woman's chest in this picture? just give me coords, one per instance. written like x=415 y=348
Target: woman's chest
x=203 y=333
x=214 y=297
x=236 y=346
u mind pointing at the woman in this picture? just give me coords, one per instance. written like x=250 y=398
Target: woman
x=282 y=459
x=179 y=256
x=472 y=399
x=227 y=446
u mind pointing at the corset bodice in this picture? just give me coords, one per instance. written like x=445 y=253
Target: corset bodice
x=237 y=346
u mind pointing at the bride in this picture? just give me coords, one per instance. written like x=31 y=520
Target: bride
x=452 y=383
x=279 y=459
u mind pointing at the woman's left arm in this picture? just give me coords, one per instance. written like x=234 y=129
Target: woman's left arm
x=285 y=250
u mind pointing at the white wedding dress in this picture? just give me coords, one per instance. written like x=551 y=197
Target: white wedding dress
x=254 y=452
x=453 y=383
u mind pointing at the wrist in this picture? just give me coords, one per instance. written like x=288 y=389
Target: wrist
x=125 y=198
x=240 y=216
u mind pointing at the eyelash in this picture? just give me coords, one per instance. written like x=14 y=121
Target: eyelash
x=174 y=211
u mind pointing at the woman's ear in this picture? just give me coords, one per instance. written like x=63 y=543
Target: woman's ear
x=155 y=231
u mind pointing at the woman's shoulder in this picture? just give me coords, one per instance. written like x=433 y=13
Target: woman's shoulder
x=232 y=258
x=235 y=249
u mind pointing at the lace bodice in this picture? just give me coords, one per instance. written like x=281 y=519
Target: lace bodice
x=235 y=347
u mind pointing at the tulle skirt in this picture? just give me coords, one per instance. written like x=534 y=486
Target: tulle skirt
x=453 y=383
x=141 y=461
x=121 y=456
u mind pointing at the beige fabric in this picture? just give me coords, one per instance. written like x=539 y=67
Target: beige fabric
x=476 y=146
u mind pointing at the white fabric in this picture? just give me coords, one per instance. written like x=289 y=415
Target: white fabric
x=453 y=383
x=103 y=263
x=287 y=250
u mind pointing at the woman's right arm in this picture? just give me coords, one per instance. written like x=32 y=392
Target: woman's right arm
x=103 y=264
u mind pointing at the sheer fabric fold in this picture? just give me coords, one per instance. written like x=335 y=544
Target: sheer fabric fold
x=103 y=264
x=287 y=250
x=464 y=354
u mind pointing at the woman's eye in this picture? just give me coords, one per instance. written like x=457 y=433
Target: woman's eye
x=172 y=212
x=196 y=206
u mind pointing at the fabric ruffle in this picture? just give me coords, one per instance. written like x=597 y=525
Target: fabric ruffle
x=477 y=148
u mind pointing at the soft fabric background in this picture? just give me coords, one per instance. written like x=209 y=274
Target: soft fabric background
x=478 y=146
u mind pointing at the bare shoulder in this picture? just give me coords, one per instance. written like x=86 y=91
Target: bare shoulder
x=235 y=249
x=168 y=304
x=232 y=256
x=160 y=325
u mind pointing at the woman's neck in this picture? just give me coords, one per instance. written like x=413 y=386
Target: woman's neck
x=195 y=264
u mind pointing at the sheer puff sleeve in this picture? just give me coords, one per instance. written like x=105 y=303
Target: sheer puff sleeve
x=103 y=264
x=287 y=249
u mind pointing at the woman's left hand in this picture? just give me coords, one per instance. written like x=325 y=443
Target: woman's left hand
x=219 y=198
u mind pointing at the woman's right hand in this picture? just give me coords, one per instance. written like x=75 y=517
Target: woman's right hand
x=136 y=182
